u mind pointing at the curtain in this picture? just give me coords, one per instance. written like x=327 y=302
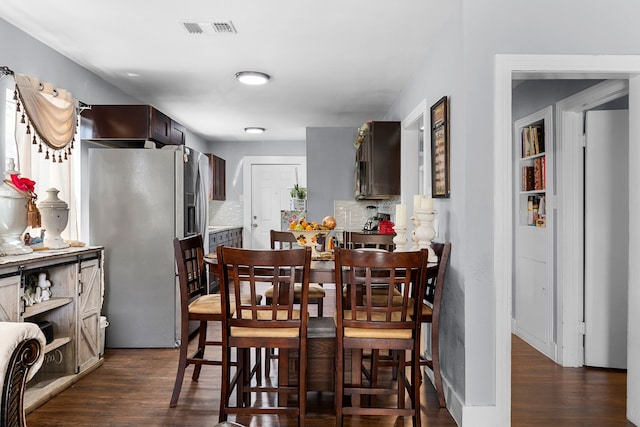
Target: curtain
x=47 y=115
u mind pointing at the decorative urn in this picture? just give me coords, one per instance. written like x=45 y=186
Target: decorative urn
x=13 y=216
x=55 y=214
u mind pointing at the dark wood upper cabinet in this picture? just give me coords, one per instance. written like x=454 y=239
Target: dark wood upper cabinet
x=217 y=173
x=120 y=124
x=377 y=174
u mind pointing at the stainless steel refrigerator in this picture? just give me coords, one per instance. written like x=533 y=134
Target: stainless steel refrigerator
x=140 y=199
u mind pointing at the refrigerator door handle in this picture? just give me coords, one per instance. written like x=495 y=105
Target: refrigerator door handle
x=201 y=202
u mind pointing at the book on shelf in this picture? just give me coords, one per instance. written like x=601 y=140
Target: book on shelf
x=528 y=178
x=538 y=173
x=532 y=139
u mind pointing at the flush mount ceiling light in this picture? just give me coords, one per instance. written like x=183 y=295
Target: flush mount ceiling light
x=254 y=130
x=252 y=77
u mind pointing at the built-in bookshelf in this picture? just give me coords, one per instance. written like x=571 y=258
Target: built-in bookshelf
x=533 y=182
x=532 y=136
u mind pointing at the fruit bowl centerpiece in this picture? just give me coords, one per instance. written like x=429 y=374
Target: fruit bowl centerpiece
x=313 y=234
x=311 y=238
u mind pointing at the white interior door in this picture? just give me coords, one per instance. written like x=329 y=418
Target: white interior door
x=606 y=238
x=268 y=183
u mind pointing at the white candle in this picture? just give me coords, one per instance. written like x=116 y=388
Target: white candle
x=417 y=202
x=427 y=204
x=401 y=215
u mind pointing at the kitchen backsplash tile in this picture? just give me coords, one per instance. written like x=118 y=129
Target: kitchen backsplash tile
x=352 y=214
x=226 y=212
x=349 y=214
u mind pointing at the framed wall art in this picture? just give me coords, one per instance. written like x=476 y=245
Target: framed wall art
x=440 y=172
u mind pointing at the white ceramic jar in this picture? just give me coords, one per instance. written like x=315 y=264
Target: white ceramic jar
x=55 y=214
x=13 y=216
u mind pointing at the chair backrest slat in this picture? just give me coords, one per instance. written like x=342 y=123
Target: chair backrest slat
x=189 y=255
x=282 y=240
x=242 y=271
x=366 y=240
x=381 y=289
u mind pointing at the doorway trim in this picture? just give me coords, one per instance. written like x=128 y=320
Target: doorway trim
x=560 y=66
x=410 y=139
x=247 y=166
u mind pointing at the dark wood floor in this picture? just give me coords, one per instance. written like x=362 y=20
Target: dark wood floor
x=545 y=394
x=133 y=388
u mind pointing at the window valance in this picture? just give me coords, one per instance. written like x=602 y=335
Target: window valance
x=50 y=115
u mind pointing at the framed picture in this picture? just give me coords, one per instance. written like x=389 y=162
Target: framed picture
x=440 y=149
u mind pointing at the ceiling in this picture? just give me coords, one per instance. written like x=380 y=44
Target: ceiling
x=332 y=62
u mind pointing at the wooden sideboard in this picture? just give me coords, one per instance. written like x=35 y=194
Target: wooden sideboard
x=76 y=276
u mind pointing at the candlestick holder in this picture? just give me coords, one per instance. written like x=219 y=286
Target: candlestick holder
x=425 y=231
x=400 y=239
x=416 y=222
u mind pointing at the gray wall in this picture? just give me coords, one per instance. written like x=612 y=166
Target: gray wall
x=460 y=63
x=330 y=168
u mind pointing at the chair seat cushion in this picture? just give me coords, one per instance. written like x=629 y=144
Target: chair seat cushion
x=206 y=304
x=315 y=291
x=210 y=304
x=237 y=331
x=373 y=332
x=377 y=292
x=381 y=300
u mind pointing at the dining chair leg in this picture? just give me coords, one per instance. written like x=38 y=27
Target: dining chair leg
x=356 y=375
x=202 y=339
x=302 y=382
x=401 y=383
x=339 y=385
x=415 y=389
x=182 y=366
x=225 y=386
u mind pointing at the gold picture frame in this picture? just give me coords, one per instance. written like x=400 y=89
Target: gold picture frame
x=440 y=164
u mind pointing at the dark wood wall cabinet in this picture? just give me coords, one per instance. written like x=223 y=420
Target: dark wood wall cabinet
x=217 y=171
x=378 y=162
x=126 y=125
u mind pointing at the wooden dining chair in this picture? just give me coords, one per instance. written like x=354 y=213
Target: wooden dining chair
x=317 y=293
x=368 y=320
x=431 y=306
x=280 y=325
x=195 y=305
x=371 y=240
x=286 y=240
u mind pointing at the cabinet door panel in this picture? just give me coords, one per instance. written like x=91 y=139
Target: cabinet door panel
x=9 y=298
x=89 y=297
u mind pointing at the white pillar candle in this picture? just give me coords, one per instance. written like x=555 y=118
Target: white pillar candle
x=427 y=204
x=401 y=215
x=417 y=202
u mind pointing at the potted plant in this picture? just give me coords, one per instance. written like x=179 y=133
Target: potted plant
x=298 y=192
x=298 y=198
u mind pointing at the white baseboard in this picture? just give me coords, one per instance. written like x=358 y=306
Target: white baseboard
x=466 y=416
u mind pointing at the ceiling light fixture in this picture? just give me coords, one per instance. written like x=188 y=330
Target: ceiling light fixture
x=254 y=130
x=252 y=77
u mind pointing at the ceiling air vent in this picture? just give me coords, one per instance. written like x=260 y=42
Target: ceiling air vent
x=209 y=27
